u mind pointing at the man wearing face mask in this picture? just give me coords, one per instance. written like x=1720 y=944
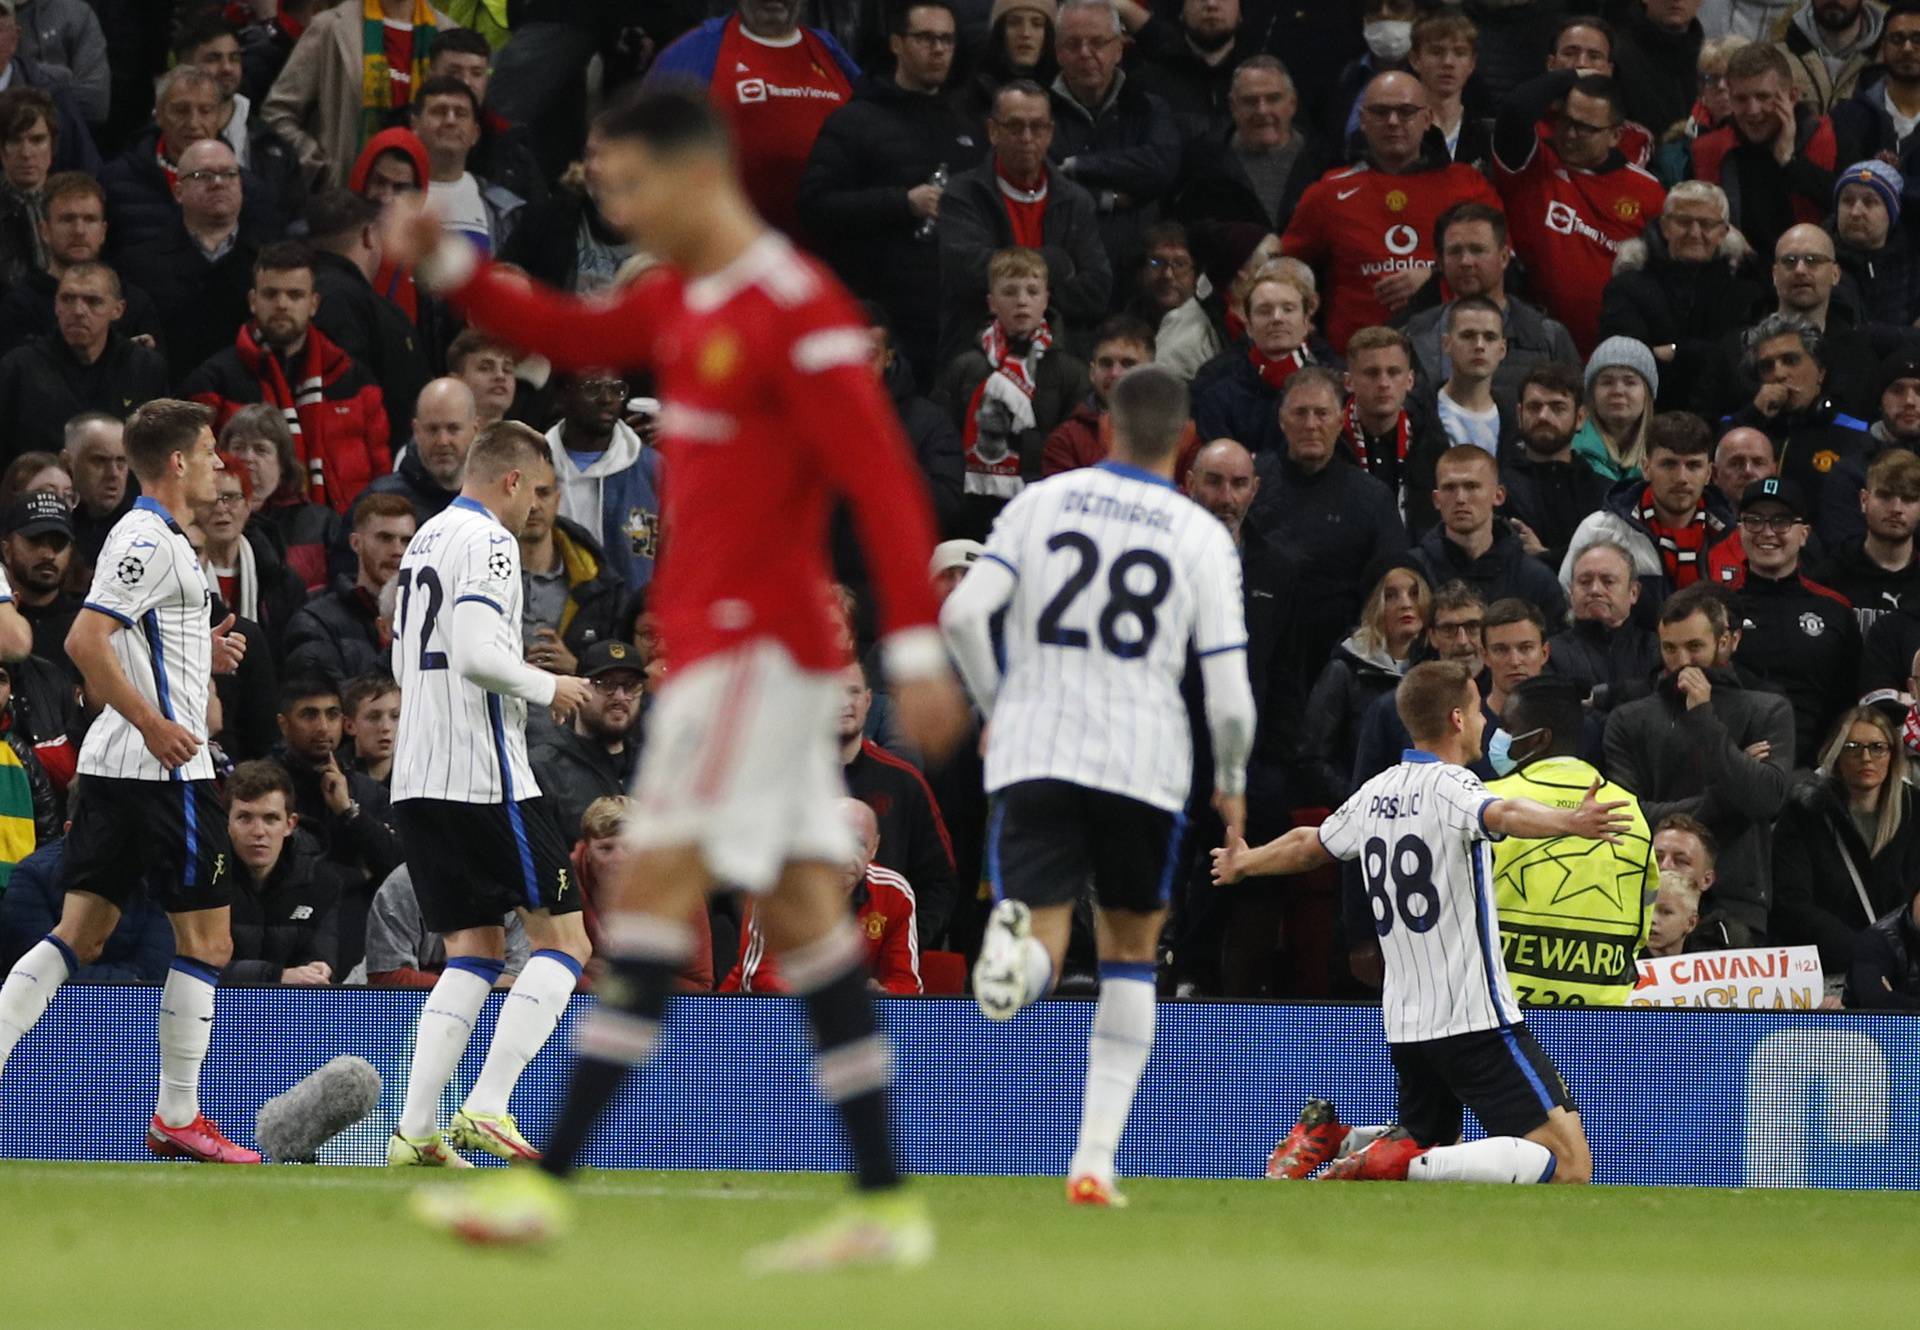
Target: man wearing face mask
x=1573 y=913
x=1386 y=27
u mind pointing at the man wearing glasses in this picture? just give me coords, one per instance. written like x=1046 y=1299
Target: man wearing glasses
x=1369 y=227
x=1796 y=635
x=1572 y=200
x=871 y=193
x=591 y=758
x=1882 y=116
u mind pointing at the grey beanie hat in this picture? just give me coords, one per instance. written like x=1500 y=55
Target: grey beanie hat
x=1624 y=353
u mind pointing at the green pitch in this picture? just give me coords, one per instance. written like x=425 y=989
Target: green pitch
x=168 y=1246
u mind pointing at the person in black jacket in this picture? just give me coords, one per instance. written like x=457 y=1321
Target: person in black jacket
x=1871 y=245
x=37 y=550
x=1365 y=667
x=138 y=951
x=210 y=43
x=1881 y=566
x=1886 y=962
x=870 y=195
x=504 y=155
x=977 y=221
x=1549 y=490
x=1474 y=546
x=1190 y=62
x=913 y=837
x=1604 y=650
x=1236 y=395
x=242 y=565
x=286 y=906
x=1847 y=846
x=1688 y=283
x=1336 y=518
x=1656 y=59
x=1256 y=168
x=89 y=367
x=356 y=318
x=594 y=757
x=445 y=422
x=73 y=225
x=565 y=240
x=337 y=633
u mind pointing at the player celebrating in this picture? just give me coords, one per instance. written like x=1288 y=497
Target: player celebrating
x=479 y=838
x=1107 y=575
x=146 y=815
x=772 y=413
x=1421 y=831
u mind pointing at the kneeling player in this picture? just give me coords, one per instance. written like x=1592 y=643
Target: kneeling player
x=1106 y=575
x=1422 y=832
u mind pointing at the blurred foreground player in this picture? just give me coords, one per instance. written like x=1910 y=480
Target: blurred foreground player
x=1422 y=832
x=480 y=839
x=771 y=414
x=146 y=815
x=1107 y=576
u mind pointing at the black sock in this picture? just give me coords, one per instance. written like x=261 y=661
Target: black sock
x=852 y=1061
x=618 y=1036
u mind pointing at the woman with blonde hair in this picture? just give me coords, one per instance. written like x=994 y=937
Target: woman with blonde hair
x=1367 y=665
x=1847 y=846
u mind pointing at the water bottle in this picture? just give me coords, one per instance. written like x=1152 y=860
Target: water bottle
x=928 y=225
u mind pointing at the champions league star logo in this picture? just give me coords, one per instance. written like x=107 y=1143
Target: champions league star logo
x=130 y=570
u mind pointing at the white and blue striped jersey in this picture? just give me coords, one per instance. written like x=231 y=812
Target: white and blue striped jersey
x=1116 y=574
x=1419 y=832
x=458 y=741
x=149 y=580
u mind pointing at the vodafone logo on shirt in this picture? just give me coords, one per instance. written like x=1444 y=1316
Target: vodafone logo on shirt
x=750 y=91
x=1402 y=240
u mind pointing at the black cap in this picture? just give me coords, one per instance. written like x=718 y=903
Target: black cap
x=1902 y=364
x=604 y=657
x=1775 y=489
x=37 y=513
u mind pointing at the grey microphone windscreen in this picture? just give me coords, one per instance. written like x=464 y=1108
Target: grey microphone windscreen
x=292 y=1127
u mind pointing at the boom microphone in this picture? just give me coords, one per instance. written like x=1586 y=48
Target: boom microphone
x=292 y=1127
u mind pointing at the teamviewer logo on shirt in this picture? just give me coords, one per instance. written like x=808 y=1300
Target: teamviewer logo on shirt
x=751 y=90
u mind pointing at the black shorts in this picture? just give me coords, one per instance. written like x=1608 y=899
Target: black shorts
x=168 y=838
x=1504 y=1076
x=471 y=863
x=1049 y=838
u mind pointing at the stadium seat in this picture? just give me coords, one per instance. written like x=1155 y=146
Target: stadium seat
x=943 y=973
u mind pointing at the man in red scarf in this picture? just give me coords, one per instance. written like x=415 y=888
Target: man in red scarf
x=333 y=407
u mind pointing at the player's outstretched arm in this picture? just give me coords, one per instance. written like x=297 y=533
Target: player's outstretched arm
x=964 y=622
x=1296 y=852
x=16 y=634
x=478 y=657
x=90 y=648
x=1591 y=819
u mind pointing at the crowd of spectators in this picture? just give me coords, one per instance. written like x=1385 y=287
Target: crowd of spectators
x=1574 y=341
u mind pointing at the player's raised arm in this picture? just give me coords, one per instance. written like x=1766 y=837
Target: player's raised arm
x=1590 y=819
x=1299 y=851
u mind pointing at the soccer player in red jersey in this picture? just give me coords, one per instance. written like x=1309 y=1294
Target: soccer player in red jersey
x=1573 y=200
x=772 y=413
x=1369 y=228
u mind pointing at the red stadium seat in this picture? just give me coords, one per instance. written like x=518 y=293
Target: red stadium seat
x=943 y=973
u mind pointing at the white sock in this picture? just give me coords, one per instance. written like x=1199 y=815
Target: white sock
x=446 y=1023
x=534 y=1005
x=1116 y=1055
x=29 y=988
x=1038 y=968
x=186 y=1028
x=1496 y=1159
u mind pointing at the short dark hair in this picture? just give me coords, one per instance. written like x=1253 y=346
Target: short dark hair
x=196 y=32
x=1681 y=433
x=372 y=506
x=159 y=429
x=63 y=184
x=444 y=85
x=1700 y=598
x=1428 y=695
x=472 y=340
x=1165 y=233
x=1548 y=702
x=363 y=688
x=283 y=256
x=903 y=14
x=300 y=687
x=505 y=445
x=1904 y=9
x=1150 y=412
x=1594 y=21
x=1471 y=305
x=1469 y=212
x=1511 y=610
x=338 y=214
x=1125 y=328
x=1554 y=377
x=1308 y=376
x=94 y=268
x=1758 y=59
x=1686 y=822
x=670 y=119
x=21 y=107
x=1604 y=89
x=1025 y=87
x=459 y=41
x=257 y=779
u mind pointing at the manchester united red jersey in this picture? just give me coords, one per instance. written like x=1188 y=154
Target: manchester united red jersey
x=884 y=914
x=771 y=412
x=1359 y=225
x=1567 y=225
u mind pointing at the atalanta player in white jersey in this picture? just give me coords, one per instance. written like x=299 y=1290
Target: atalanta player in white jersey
x=145 y=815
x=1108 y=577
x=772 y=416
x=480 y=839
x=1421 y=831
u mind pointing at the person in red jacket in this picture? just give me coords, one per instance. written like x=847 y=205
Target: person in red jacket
x=883 y=910
x=1776 y=157
x=332 y=405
